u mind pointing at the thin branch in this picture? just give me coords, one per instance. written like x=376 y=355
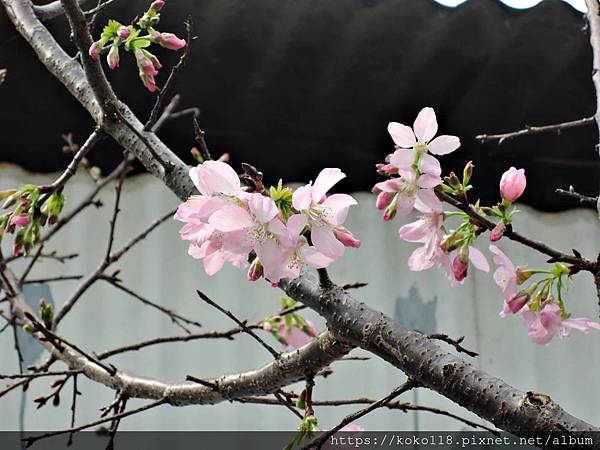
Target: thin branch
x=104 y=264
x=51 y=10
x=557 y=128
x=116 y=211
x=97 y=9
x=318 y=442
x=456 y=343
x=58 y=342
x=555 y=255
x=402 y=406
x=582 y=199
x=71 y=170
x=29 y=441
x=33 y=376
x=53 y=279
x=242 y=324
x=175 y=318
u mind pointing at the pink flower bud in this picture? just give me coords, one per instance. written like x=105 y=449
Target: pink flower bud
x=123 y=32
x=113 y=57
x=20 y=221
x=255 y=272
x=516 y=302
x=512 y=184
x=267 y=326
x=147 y=68
x=460 y=265
x=157 y=5
x=497 y=232
x=384 y=199
x=347 y=238
x=167 y=40
x=386 y=169
x=95 y=49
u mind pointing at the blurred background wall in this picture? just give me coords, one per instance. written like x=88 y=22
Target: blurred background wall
x=160 y=270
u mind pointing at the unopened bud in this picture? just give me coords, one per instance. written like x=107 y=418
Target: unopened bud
x=459 y=268
x=3 y=73
x=256 y=270
x=157 y=5
x=197 y=156
x=468 y=172
x=453 y=180
x=517 y=302
x=347 y=238
x=384 y=199
x=497 y=232
x=123 y=33
x=11 y=200
x=224 y=157
x=113 y=57
x=390 y=211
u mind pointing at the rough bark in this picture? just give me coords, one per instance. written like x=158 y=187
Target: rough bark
x=348 y=319
x=287 y=369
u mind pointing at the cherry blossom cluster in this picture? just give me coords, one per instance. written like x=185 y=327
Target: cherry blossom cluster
x=414 y=175
x=133 y=39
x=284 y=229
x=32 y=208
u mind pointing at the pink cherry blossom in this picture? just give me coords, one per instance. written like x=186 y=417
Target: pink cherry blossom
x=325 y=214
x=295 y=337
x=506 y=277
x=411 y=189
x=512 y=184
x=549 y=322
x=284 y=257
x=215 y=178
x=414 y=144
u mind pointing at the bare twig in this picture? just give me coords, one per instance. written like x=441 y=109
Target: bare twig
x=582 y=199
x=557 y=128
x=175 y=318
x=104 y=264
x=318 y=442
x=242 y=324
x=456 y=343
x=53 y=279
x=554 y=254
x=32 y=439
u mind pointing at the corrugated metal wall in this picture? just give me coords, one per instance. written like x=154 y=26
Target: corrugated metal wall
x=160 y=270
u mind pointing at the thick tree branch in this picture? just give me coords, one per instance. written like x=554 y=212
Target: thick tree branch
x=424 y=362
x=593 y=16
x=289 y=368
x=51 y=10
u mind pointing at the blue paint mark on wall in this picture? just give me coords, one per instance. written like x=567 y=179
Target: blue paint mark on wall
x=413 y=312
